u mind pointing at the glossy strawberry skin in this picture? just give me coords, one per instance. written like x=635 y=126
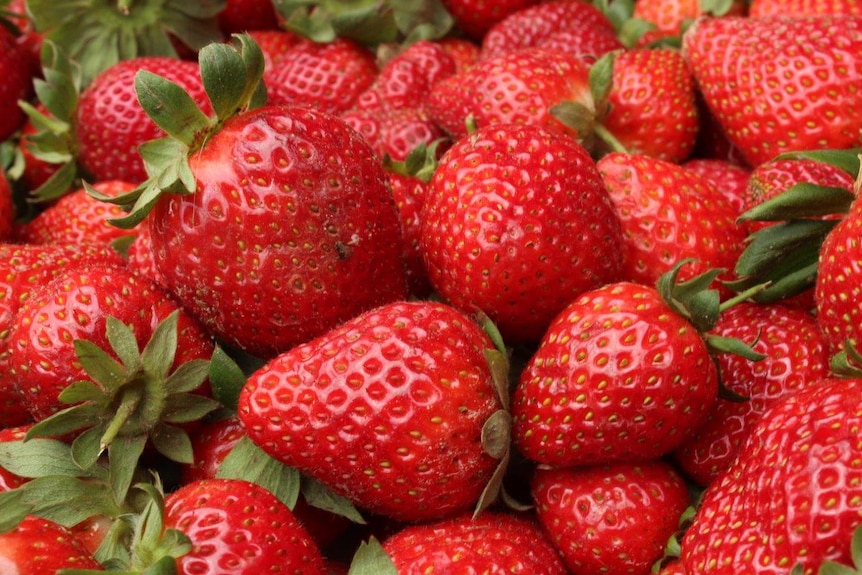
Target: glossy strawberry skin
x=758 y=8
x=613 y=519
x=386 y=409
x=493 y=542
x=297 y=233
x=111 y=124
x=617 y=377
x=516 y=224
x=796 y=357
x=728 y=178
x=238 y=528
x=42 y=360
x=792 y=494
x=669 y=214
x=38 y=546
x=767 y=109
x=837 y=288
x=475 y=17
x=7 y=209
x=652 y=104
x=16 y=70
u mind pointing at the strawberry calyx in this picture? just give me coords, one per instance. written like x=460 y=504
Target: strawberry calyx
x=420 y=163
x=100 y=34
x=131 y=402
x=370 y=557
x=232 y=77
x=847 y=362
x=786 y=254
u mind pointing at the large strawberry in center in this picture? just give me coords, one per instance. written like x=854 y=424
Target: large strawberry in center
x=283 y=224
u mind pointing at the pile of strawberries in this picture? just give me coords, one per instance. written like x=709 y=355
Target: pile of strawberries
x=440 y=286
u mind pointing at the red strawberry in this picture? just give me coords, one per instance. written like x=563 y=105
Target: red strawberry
x=669 y=214
x=326 y=76
x=111 y=124
x=7 y=209
x=758 y=8
x=730 y=179
x=652 y=104
x=839 y=277
x=239 y=528
x=463 y=52
x=792 y=495
x=387 y=410
x=515 y=88
x=289 y=228
x=579 y=28
x=275 y=45
x=77 y=218
x=795 y=357
x=618 y=376
x=768 y=109
x=610 y=519
x=671 y=16
x=493 y=542
x=475 y=17
x=38 y=546
x=17 y=73
x=240 y=16
x=516 y=224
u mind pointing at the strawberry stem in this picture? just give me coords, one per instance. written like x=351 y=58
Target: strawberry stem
x=608 y=138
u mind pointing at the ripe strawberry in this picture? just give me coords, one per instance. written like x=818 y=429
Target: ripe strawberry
x=795 y=357
x=464 y=52
x=519 y=87
x=387 y=410
x=839 y=277
x=767 y=109
x=792 y=495
x=327 y=76
x=728 y=178
x=7 y=209
x=17 y=73
x=38 y=546
x=493 y=542
x=77 y=218
x=610 y=519
x=671 y=16
x=75 y=305
x=475 y=17
x=111 y=124
x=239 y=528
x=275 y=45
x=618 y=376
x=668 y=214
x=238 y=16
x=295 y=233
x=516 y=224
x=579 y=28
x=758 y=8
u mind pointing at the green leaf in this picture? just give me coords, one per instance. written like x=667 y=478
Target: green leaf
x=779 y=242
x=87 y=447
x=172 y=442
x=13 y=509
x=66 y=421
x=732 y=345
x=846 y=160
x=124 y=453
x=124 y=343
x=715 y=7
x=371 y=559
x=498 y=364
x=100 y=366
x=188 y=376
x=170 y=107
x=494 y=487
x=57 y=185
x=226 y=378
x=187 y=407
x=38 y=458
x=576 y=116
x=496 y=433
x=68 y=500
x=319 y=495
x=223 y=74
x=82 y=391
x=601 y=81
x=802 y=200
x=159 y=353
x=249 y=462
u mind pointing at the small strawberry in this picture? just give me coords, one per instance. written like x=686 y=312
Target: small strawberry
x=767 y=109
x=610 y=519
x=475 y=17
x=38 y=546
x=668 y=214
x=239 y=16
x=395 y=410
x=493 y=542
x=795 y=356
x=671 y=17
x=239 y=528
x=758 y=8
x=792 y=495
x=517 y=223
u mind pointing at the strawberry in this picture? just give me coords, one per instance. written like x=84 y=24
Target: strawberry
x=618 y=376
x=493 y=542
x=795 y=357
x=837 y=288
x=475 y=17
x=387 y=410
x=517 y=223
x=728 y=178
x=668 y=214
x=239 y=16
x=758 y=8
x=297 y=232
x=328 y=76
x=670 y=17
x=610 y=519
x=464 y=52
x=767 y=109
x=579 y=28
x=792 y=495
x=7 y=209
x=518 y=87
x=77 y=218
x=16 y=70
x=652 y=104
x=38 y=546
x=239 y=528
x=111 y=124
